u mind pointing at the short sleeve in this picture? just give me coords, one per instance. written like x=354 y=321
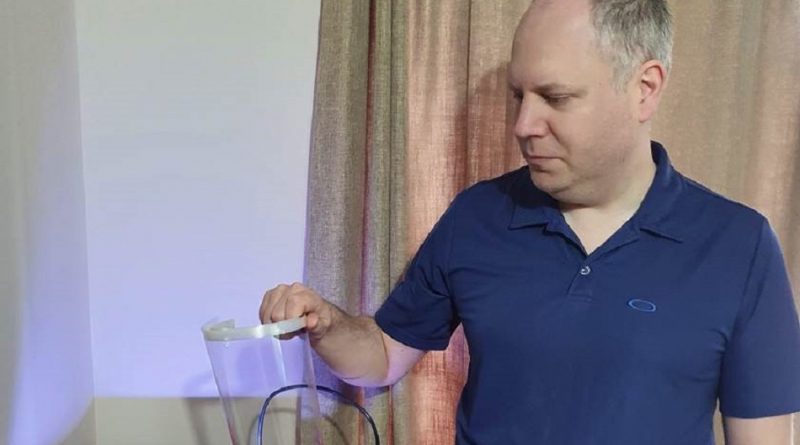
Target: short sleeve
x=760 y=374
x=419 y=311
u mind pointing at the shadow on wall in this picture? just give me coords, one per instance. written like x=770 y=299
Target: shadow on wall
x=85 y=429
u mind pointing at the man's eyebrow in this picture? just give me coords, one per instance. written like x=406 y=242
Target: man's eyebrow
x=556 y=88
x=550 y=89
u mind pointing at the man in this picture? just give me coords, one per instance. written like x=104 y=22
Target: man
x=606 y=299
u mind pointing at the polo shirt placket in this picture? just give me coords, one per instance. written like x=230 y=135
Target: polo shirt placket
x=581 y=287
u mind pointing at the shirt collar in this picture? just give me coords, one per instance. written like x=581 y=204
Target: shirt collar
x=534 y=207
x=531 y=206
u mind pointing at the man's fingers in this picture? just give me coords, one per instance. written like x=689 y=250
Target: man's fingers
x=298 y=304
x=263 y=311
x=312 y=321
x=272 y=301
x=293 y=301
x=287 y=302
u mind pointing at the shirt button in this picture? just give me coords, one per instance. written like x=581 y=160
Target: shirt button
x=586 y=270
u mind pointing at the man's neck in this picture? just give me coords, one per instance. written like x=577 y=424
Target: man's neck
x=596 y=221
x=624 y=192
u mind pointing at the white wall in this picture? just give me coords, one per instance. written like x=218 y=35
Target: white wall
x=45 y=358
x=189 y=189
x=196 y=126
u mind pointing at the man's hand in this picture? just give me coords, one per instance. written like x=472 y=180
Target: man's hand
x=354 y=347
x=292 y=301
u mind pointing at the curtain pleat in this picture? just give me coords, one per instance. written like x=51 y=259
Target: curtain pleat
x=436 y=157
x=337 y=182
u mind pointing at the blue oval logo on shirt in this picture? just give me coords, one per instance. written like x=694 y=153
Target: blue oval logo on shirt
x=642 y=305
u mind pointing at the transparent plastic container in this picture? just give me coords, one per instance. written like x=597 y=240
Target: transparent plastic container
x=265 y=378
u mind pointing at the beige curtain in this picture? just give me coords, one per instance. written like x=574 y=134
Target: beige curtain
x=411 y=107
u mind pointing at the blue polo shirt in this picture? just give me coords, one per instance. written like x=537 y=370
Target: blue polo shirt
x=687 y=303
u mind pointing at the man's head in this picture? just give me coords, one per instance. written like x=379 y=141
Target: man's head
x=588 y=76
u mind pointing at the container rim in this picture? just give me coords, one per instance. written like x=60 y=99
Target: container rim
x=227 y=330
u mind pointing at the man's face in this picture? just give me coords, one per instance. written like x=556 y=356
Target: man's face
x=575 y=130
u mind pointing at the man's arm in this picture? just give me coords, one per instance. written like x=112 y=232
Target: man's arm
x=776 y=430
x=361 y=354
x=354 y=347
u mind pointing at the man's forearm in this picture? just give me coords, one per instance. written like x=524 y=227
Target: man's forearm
x=353 y=348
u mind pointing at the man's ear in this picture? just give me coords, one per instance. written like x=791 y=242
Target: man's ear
x=651 y=80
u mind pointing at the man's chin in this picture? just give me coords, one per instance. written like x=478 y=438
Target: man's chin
x=549 y=183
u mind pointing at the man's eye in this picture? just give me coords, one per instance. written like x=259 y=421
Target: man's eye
x=517 y=95
x=556 y=100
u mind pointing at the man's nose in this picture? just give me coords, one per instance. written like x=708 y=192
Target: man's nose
x=531 y=119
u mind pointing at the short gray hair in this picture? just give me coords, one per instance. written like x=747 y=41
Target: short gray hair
x=632 y=32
